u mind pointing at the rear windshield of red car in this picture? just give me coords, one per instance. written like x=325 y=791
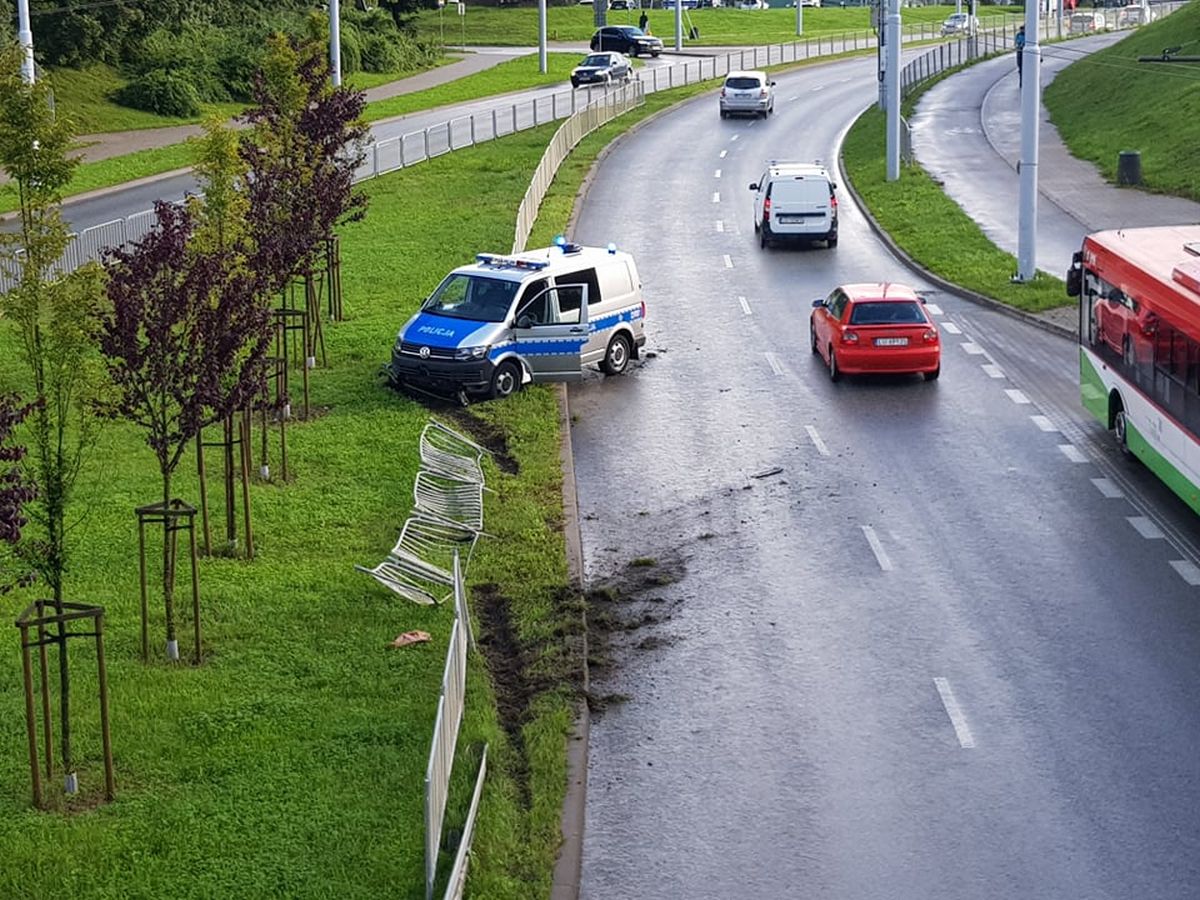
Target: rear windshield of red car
x=889 y=312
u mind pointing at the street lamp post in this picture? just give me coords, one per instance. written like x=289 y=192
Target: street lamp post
x=335 y=42
x=25 y=39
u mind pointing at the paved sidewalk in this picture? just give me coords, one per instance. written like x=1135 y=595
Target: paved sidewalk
x=966 y=133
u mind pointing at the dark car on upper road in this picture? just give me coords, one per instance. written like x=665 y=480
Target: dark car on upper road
x=627 y=39
x=605 y=67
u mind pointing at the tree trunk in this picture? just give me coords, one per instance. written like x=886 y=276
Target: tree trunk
x=169 y=571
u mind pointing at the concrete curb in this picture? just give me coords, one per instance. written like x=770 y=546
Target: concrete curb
x=947 y=286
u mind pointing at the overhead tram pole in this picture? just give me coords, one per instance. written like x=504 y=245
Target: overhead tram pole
x=542 y=36
x=892 y=90
x=25 y=39
x=1031 y=98
x=335 y=42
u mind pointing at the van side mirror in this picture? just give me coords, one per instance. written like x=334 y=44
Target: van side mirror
x=818 y=303
x=772 y=84
x=525 y=321
x=754 y=187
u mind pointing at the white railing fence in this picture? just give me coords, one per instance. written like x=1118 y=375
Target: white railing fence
x=571 y=132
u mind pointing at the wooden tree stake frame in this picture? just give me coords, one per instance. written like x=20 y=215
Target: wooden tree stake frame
x=176 y=517
x=333 y=277
x=290 y=324
x=235 y=430
x=52 y=623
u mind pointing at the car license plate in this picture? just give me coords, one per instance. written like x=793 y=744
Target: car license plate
x=790 y=220
x=891 y=342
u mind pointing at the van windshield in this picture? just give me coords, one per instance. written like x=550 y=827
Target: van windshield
x=474 y=297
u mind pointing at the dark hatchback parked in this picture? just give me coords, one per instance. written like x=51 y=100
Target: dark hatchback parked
x=628 y=39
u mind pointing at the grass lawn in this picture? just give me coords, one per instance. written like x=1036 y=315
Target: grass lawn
x=1152 y=108
x=932 y=228
x=291 y=763
x=518 y=26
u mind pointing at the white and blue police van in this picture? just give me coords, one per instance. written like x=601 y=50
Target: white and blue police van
x=540 y=315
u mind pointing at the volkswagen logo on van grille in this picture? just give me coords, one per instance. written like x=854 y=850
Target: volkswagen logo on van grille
x=423 y=353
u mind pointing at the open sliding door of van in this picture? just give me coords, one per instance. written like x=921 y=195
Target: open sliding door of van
x=550 y=331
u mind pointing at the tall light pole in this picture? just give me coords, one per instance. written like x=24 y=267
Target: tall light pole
x=1031 y=98
x=799 y=16
x=892 y=90
x=678 y=25
x=25 y=39
x=335 y=42
x=542 y=36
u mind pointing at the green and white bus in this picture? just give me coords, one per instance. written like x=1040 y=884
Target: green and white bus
x=1139 y=345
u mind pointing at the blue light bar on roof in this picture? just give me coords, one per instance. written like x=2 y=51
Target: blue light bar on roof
x=509 y=262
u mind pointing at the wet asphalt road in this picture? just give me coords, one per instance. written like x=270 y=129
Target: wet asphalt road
x=934 y=656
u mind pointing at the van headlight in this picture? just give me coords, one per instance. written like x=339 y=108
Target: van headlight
x=471 y=352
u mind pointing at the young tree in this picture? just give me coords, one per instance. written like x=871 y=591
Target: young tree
x=306 y=141
x=53 y=314
x=185 y=339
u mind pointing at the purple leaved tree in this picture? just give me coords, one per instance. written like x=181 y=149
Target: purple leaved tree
x=185 y=343
x=15 y=492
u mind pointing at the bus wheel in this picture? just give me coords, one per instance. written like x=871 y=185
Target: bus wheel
x=506 y=380
x=1120 y=429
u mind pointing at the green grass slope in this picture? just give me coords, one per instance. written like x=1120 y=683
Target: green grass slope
x=1109 y=102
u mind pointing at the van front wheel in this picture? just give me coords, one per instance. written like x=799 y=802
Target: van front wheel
x=506 y=380
x=616 y=357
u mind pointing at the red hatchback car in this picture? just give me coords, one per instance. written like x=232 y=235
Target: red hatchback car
x=876 y=328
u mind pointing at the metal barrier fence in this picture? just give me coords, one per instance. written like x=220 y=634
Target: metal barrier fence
x=391 y=154
x=458 y=872
x=441 y=753
x=572 y=131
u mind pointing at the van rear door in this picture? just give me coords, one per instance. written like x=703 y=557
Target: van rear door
x=550 y=330
x=800 y=205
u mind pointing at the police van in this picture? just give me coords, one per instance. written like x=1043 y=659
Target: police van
x=540 y=315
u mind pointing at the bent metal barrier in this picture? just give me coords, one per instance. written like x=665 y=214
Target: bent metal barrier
x=394 y=153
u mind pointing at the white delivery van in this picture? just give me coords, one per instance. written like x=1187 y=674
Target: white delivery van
x=796 y=201
x=507 y=320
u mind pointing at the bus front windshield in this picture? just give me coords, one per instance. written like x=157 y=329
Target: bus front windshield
x=472 y=297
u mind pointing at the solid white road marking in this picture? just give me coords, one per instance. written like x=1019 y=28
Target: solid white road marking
x=717 y=174
x=877 y=548
x=1016 y=396
x=1187 y=571
x=728 y=261
x=1106 y=487
x=1043 y=423
x=774 y=363
x=720 y=225
x=934 y=309
x=951 y=328
x=1145 y=528
x=745 y=305
x=972 y=348
x=992 y=371
x=1071 y=452
x=961 y=729
x=716 y=196
x=816 y=439
x=723 y=152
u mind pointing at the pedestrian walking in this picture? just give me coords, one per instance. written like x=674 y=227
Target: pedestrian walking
x=644 y=21
x=1020 y=42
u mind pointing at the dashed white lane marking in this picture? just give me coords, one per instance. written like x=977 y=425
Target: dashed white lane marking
x=745 y=305
x=1108 y=488
x=819 y=87
x=951 y=328
x=1073 y=453
x=934 y=309
x=1043 y=423
x=720 y=225
x=1145 y=527
x=1016 y=396
x=972 y=348
x=961 y=729
x=790 y=99
x=774 y=363
x=716 y=196
x=728 y=261
x=734 y=138
x=877 y=548
x=992 y=370
x=816 y=439
x=1187 y=571
x=723 y=152
x=717 y=173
